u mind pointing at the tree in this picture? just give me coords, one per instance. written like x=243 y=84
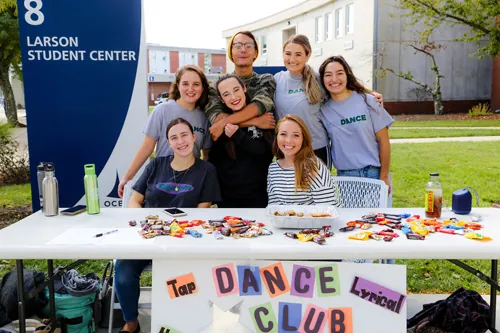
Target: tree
x=10 y=56
x=434 y=91
x=480 y=16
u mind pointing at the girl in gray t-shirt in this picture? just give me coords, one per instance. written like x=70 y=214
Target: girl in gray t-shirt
x=356 y=124
x=188 y=98
x=298 y=92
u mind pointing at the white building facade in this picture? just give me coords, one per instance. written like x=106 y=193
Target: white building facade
x=366 y=33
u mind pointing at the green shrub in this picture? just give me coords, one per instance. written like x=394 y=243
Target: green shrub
x=4 y=131
x=482 y=109
x=14 y=162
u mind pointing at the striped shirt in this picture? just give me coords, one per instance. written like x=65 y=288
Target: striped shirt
x=281 y=187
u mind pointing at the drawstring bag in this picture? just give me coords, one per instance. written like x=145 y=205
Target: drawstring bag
x=74 y=302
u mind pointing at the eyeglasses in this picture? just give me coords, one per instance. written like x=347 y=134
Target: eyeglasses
x=248 y=45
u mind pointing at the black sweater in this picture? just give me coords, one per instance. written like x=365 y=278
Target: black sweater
x=246 y=175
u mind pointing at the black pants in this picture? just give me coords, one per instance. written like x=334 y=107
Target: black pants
x=322 y=154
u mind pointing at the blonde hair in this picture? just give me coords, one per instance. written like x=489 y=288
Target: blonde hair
x=248 y=34
x=305 y=163
x=312 y=87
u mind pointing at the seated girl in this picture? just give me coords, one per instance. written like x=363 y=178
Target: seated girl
x=181 y=180
x=241 y=156
x=298 y=177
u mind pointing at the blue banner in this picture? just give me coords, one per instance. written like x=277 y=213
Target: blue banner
x=84 y=65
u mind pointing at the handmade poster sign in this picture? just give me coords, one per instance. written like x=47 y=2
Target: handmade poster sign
x=279 y=297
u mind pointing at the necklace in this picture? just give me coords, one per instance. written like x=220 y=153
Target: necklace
x=176 y=189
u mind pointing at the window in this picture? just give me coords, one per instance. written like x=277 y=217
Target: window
x=318 y=29
x=263 y=45
x=328 y=26
x=207 y=62
x=338 y=16
x=349 y=19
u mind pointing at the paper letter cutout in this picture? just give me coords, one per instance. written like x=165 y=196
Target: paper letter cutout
x=225 y=280
x=289 y=317
x=340 y=320
x=377 y=294
x=166 y=329
x=264 y=319
x=327 y=281
x=314 y=320
x=275 y=279
x=182 y=286
x=249 y=280
x=302 y=281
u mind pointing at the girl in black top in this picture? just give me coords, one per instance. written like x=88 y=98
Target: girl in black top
x=241 y=156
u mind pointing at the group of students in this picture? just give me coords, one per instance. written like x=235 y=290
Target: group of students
x=217 y=144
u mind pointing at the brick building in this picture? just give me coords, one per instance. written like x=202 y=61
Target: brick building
x=164 y=61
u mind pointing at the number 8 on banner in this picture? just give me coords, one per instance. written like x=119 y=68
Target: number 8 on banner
x=33 y=11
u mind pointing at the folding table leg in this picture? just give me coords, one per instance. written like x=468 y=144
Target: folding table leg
x=493 y=293
x=20 y=296
x=52 y=300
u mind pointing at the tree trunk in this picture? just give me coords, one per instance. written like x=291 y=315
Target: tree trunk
x=10 y=101
x=438 y=104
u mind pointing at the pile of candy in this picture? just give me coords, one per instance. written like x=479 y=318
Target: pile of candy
x=315 y=235
x=153 y=226
x=235 y=227
x=413 y=227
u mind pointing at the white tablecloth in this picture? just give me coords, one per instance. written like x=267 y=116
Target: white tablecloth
x=30 y=239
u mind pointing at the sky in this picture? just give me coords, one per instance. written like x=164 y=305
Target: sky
x=199 y=23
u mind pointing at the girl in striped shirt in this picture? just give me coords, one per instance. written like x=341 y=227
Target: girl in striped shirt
x=298 y=177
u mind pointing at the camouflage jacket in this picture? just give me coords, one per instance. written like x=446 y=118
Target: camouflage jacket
x=260 y=90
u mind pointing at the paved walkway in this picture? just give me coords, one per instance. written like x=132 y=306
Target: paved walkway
x=447 y=128
x=459 y=139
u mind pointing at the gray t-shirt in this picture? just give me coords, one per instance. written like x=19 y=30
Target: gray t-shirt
x=163 y=114
x=289 y=98
x=352 y=125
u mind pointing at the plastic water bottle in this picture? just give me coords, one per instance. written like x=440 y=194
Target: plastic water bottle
x=50 y=191
x=91 y=189
x=433 y=197
x=40 y=175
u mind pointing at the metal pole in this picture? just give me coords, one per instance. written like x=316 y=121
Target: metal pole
x=493 y=293
x=52 y=300
x=20 y=296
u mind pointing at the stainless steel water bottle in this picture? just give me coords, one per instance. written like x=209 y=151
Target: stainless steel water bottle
x=40 y=175
x=50 y=191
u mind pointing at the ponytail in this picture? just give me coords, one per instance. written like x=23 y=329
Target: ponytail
x=312 y=89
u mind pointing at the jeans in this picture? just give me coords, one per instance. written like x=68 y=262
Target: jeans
x=128 y=287
x=367 y=172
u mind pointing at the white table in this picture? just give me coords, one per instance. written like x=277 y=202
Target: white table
x=28 y=239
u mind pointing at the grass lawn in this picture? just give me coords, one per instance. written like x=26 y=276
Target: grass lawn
x=404 y=133
x=459 y=164
x=15 y=195
x=449 y=123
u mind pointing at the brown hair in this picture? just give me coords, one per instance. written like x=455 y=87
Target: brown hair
x=178 y=121
x=229 y=144
x=226 y=77
x=174 y=90
x=306 y=163
x=312 y=87
x=353 y=83
x=246 y=33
